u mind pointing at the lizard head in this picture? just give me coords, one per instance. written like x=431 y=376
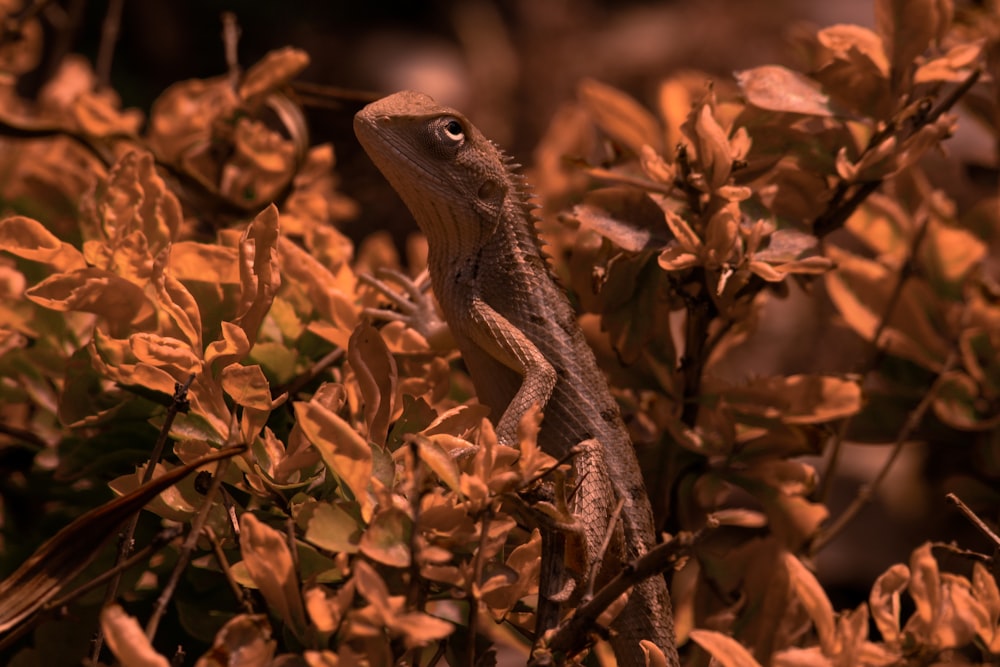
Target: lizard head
x=454 y=180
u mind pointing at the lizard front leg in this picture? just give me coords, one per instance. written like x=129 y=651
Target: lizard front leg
x=495 y=336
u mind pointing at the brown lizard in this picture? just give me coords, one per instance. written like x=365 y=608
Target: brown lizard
x=517 y=331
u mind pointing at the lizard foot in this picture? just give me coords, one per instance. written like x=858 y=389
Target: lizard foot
x=415 y=307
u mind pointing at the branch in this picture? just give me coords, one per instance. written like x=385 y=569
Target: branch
x=868 y=491
x=572 y=635
x=974 y=518
x=840 y=210
x=875 y=353
x=178 y=404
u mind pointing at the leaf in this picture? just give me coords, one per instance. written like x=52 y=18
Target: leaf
x=177 y=307
x=778 y=88
x=30 y=239
x=624 y=215
x=230 y=348
x=61 y=558
x=925 y=589
x=134 y=200
x=620 y=116
x=860 y=288
x=954 y=66
x=726 y=650
x=274 y=70
x=268 y=559
x=812 y=596
x=244 y=641
x=438 y=460
x=247 y=386
x=907 y=28
x=420 y=629
x=204 y=262
x=127 y=640
x=714 y=153
x=652 y=653
x=93 y=290
x=260 y=277
x=884 y=600
x=164 y=352
x=844 y=38
x=377 y=376
x=387 y=538
x=331 y=528
x=344 y=452
x=525 y=562
x=797 y=399
x=959 y=404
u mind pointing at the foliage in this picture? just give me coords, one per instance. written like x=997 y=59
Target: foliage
x=184 y=275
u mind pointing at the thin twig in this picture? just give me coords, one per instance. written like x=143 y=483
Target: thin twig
x=178 y=404
x=867 y=492
x=186 y=550
x=297 y=383
x=231 y=40
x=839 y=209
x=220 y=557
x=162 y=539
x=24 y=435
x=875 y=353
x=473 y=586
x=974 y=518
x=109 y=38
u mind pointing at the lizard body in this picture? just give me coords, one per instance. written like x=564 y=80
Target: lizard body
x=517 y=331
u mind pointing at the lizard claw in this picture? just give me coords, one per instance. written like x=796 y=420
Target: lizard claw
x=415 y=307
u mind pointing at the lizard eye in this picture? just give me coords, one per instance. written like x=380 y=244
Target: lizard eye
x=452 y=131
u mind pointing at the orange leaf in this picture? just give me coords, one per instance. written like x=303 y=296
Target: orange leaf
x=177 y=307
x=93 y=290
x=713 y=148
x=259 y=274
x=344 y=452
x=274 y=70
x=726 y=650
x=376 y=371
x=128 y=641
x=620 y=116
x=387 y=538
x=161 y=351
x=30 y=239
x=232 y=347
x=244 y=641
x=907 y=28
x=247 y=386
x=884 y=600
x=269 y=561
x=812 y=596
x=204 y=262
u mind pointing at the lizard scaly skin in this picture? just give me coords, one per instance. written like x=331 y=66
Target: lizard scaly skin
x=517 y=331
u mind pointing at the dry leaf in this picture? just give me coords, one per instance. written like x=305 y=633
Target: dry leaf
x=778 y=88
